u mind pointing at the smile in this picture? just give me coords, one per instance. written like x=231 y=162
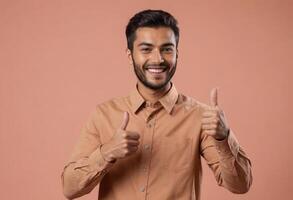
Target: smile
x=156 y=70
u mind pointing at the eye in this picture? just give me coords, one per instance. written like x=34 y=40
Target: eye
x=168 y=49
x=146 y=50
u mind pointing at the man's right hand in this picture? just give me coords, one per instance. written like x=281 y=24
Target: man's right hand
x=122 y=144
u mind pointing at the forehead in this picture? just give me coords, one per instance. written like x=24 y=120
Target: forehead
x=154 y=35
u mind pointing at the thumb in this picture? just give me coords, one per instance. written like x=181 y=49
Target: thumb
x=214 y=97
x=125 y=121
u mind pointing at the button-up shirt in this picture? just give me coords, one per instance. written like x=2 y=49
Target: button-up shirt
x=167 y=164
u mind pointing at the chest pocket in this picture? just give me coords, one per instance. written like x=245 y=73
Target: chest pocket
x=176 y=153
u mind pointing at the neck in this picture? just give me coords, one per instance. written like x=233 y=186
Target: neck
x=150 y=94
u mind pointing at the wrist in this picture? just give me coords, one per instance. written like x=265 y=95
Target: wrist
x=107 y=156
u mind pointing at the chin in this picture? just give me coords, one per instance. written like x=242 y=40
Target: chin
x=157 y=86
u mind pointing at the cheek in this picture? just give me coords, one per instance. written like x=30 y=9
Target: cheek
x=172 y=62
x=174 y=59
x=138 y=56
x=171 y=59
x=140 y=60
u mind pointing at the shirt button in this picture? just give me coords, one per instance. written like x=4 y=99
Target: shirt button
x=146 y=147
x=142 y=189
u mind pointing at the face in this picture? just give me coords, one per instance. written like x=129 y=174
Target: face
x=154 y=56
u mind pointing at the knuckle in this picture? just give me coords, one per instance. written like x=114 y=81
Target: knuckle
x=124 y=135
x=135 y=134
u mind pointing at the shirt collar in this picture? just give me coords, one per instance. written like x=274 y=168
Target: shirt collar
x=168 y=100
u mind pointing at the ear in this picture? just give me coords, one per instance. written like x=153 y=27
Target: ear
x=129 y=56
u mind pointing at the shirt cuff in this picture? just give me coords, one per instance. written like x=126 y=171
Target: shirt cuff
x=227 y=147
x=95 y=163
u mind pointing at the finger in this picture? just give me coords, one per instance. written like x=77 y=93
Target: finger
x=214 y=97
x=132 y=135
x=132 y=148
x=209 y=126
x=210 y=120
x=210 y=132
x=211 y=108
x=133 y=142
x=125 y=121
x=209 y=114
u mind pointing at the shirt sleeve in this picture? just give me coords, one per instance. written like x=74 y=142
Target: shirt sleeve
x=228 y=161
x=86 y=166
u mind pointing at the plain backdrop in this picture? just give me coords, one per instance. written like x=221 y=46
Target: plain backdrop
x=59 y=58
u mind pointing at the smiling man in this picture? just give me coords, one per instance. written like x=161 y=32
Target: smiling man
x=149 y=144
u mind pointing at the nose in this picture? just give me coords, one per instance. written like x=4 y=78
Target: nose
x=156 y=57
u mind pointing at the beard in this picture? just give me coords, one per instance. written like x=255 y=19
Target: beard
x=140 y=73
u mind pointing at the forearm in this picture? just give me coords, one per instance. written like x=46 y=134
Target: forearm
x=81 y=176
x=233 y=171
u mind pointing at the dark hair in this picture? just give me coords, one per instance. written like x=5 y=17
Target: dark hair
x=150 y=18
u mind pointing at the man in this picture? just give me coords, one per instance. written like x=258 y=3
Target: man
x=148 y=145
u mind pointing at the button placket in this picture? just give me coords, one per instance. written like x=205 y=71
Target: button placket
x=149 y=125
x=142 y=188
x=146 y=152
x=145 y=168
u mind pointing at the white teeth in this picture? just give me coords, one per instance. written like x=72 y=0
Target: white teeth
x=156 y=70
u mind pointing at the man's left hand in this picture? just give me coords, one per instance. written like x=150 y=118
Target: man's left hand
x=213 y=119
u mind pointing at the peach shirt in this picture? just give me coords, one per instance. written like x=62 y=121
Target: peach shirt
x=167 y=165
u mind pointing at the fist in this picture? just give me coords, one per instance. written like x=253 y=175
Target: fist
x=122 y=144
x=213 y=119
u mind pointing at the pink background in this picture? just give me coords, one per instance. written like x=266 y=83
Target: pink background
x=59 y=58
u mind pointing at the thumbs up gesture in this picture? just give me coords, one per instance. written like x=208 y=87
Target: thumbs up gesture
x=213 y=119
x=122 y=144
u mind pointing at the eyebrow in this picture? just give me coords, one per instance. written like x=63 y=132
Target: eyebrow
x=149 y=44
